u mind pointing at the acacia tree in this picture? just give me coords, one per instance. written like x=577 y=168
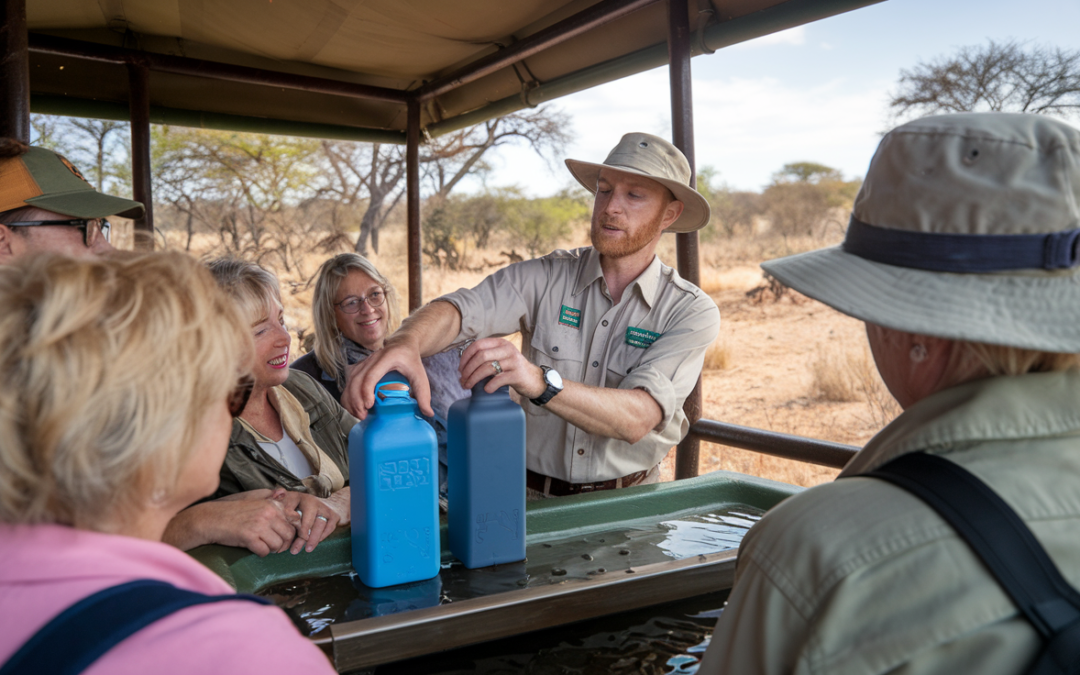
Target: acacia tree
x=803 y=198
x=998 y=76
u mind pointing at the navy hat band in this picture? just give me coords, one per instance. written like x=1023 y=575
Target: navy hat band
x=941 y=252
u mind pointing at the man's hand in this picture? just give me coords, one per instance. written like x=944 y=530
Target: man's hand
x=517 y=372
x=400 y=353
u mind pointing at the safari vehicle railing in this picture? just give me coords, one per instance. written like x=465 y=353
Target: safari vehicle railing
x=114 y=72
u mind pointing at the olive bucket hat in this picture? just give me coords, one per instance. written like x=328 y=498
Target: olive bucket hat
x=47 y=180
x=965 y=228
x=652 y=157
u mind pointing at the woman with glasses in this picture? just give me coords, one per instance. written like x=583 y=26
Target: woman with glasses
x=355 y=307
x=98 y=456
x=284 y=481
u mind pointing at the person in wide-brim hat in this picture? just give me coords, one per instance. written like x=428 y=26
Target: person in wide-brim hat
x=654 y=158
x=961 y=259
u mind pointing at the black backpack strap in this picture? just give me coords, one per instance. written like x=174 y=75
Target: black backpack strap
x=1006 y=546
x=83 y=632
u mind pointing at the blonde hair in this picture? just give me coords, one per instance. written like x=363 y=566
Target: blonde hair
x=995 y=360
x=328 y=350
x=108 y=367
x=254 y=288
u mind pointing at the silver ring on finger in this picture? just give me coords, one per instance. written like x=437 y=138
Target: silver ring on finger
x=322 y=518
x=497 y=367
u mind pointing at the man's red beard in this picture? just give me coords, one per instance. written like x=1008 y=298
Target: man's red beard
x=627 y=245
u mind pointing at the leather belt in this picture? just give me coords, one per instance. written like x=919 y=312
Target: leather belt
x=560 y=488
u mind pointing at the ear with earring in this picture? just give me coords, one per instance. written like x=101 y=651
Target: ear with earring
x=918 y=353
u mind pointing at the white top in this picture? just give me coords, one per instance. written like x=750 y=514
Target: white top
x=289 y=456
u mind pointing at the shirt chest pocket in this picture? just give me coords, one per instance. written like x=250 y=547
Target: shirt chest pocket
x=622 y=360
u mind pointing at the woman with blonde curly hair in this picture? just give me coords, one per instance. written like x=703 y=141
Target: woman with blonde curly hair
x=355 y=307
x=119 y=378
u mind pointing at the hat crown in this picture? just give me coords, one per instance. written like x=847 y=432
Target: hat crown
x=978 y=173
x=650 y=155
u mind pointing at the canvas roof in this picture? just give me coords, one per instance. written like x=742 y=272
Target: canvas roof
x=396 y=44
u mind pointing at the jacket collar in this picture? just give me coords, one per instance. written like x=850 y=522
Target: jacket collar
x=647 y=282
x=993 y=409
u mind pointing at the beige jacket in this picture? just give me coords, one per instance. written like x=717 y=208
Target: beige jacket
x=859 y=577
x=654 y=339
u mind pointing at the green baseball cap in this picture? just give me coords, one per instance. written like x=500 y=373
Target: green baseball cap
x=47 y=180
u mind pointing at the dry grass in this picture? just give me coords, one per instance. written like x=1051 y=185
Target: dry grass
x=718 y=356
x=847 y=375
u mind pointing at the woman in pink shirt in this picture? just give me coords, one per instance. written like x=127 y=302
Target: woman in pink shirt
x=118 y=380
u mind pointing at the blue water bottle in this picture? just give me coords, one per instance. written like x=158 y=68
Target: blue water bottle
x=393 y=464
x=486 y=456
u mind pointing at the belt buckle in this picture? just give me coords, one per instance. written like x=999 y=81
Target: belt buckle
x=587 y=487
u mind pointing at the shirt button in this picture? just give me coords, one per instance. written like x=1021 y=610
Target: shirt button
x=604 y=322
x=581 y=451
x=595 y=364
x=554 y=349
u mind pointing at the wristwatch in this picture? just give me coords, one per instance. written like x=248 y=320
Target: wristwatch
x=554 y=385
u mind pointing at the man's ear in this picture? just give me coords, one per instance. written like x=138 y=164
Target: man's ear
x=672 y=212
x=7 y=245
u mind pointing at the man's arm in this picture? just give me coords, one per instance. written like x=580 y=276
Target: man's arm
x=624 y=414
x=429 y=331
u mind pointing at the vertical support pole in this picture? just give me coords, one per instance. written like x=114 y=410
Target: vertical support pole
x=139 y=106
x=14 y=71
x=682 y=131
x=412 y=202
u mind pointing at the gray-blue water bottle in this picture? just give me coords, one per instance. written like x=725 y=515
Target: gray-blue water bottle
x=486 y=457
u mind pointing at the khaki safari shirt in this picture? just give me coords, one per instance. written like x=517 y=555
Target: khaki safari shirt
x=654 y=339
x=859 y=577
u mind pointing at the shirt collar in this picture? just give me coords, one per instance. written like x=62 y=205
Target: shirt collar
x=647 y=282
x=993 y=409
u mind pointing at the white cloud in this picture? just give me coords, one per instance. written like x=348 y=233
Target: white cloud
x=747 y=129
x=792 y=36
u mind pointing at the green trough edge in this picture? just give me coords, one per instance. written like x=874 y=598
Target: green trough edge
x=545 y=520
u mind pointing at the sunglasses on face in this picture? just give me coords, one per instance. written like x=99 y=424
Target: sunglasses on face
x=238 y=398
x=91 y=227
x=351 y=304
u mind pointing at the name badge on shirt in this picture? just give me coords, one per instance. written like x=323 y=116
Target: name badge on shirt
x=570 y=317
x=639 y=337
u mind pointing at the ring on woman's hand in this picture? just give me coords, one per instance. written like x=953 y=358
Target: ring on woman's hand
x=497 y=367
x=322 y=518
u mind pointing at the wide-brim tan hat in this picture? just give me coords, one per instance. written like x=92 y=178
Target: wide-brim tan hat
x=652 y=157
x=47 y=180
x=965 y=228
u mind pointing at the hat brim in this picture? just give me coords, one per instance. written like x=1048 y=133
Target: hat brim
x=1030 y=310
x=88 y=204
x=695 y=213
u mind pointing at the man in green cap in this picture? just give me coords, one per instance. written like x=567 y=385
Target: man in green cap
x=47 y=205
x=613 y=340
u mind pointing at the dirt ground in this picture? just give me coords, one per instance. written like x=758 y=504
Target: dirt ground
x=787 y=364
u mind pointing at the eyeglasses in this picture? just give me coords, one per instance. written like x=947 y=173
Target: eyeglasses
x=90 y=227
x=351 y=304
x=239 y=396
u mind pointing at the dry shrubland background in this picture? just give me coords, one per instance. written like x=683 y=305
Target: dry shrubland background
x=782 y=362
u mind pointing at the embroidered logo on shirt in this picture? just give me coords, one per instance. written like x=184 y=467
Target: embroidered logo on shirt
x=639 y=337
x=570 y=317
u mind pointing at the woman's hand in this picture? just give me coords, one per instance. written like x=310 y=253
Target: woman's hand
x=514 y=369
x=254 y=521
x=317 y=518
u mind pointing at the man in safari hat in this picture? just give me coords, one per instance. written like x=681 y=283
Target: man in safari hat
x=47 y=205
x=612 y=343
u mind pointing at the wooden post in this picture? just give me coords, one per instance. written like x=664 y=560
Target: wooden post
x=412 y=202
x=139 y=104
x=14 y=71
x=682 y=131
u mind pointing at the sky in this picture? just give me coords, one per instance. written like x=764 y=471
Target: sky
x=816 y=93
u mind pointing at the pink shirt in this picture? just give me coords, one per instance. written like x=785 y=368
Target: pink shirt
x=46 y=568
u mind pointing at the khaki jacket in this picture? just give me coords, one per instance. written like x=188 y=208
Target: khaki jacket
x=247 y=467
x=859 y=577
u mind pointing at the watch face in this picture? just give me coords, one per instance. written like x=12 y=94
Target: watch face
x=553 y=378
